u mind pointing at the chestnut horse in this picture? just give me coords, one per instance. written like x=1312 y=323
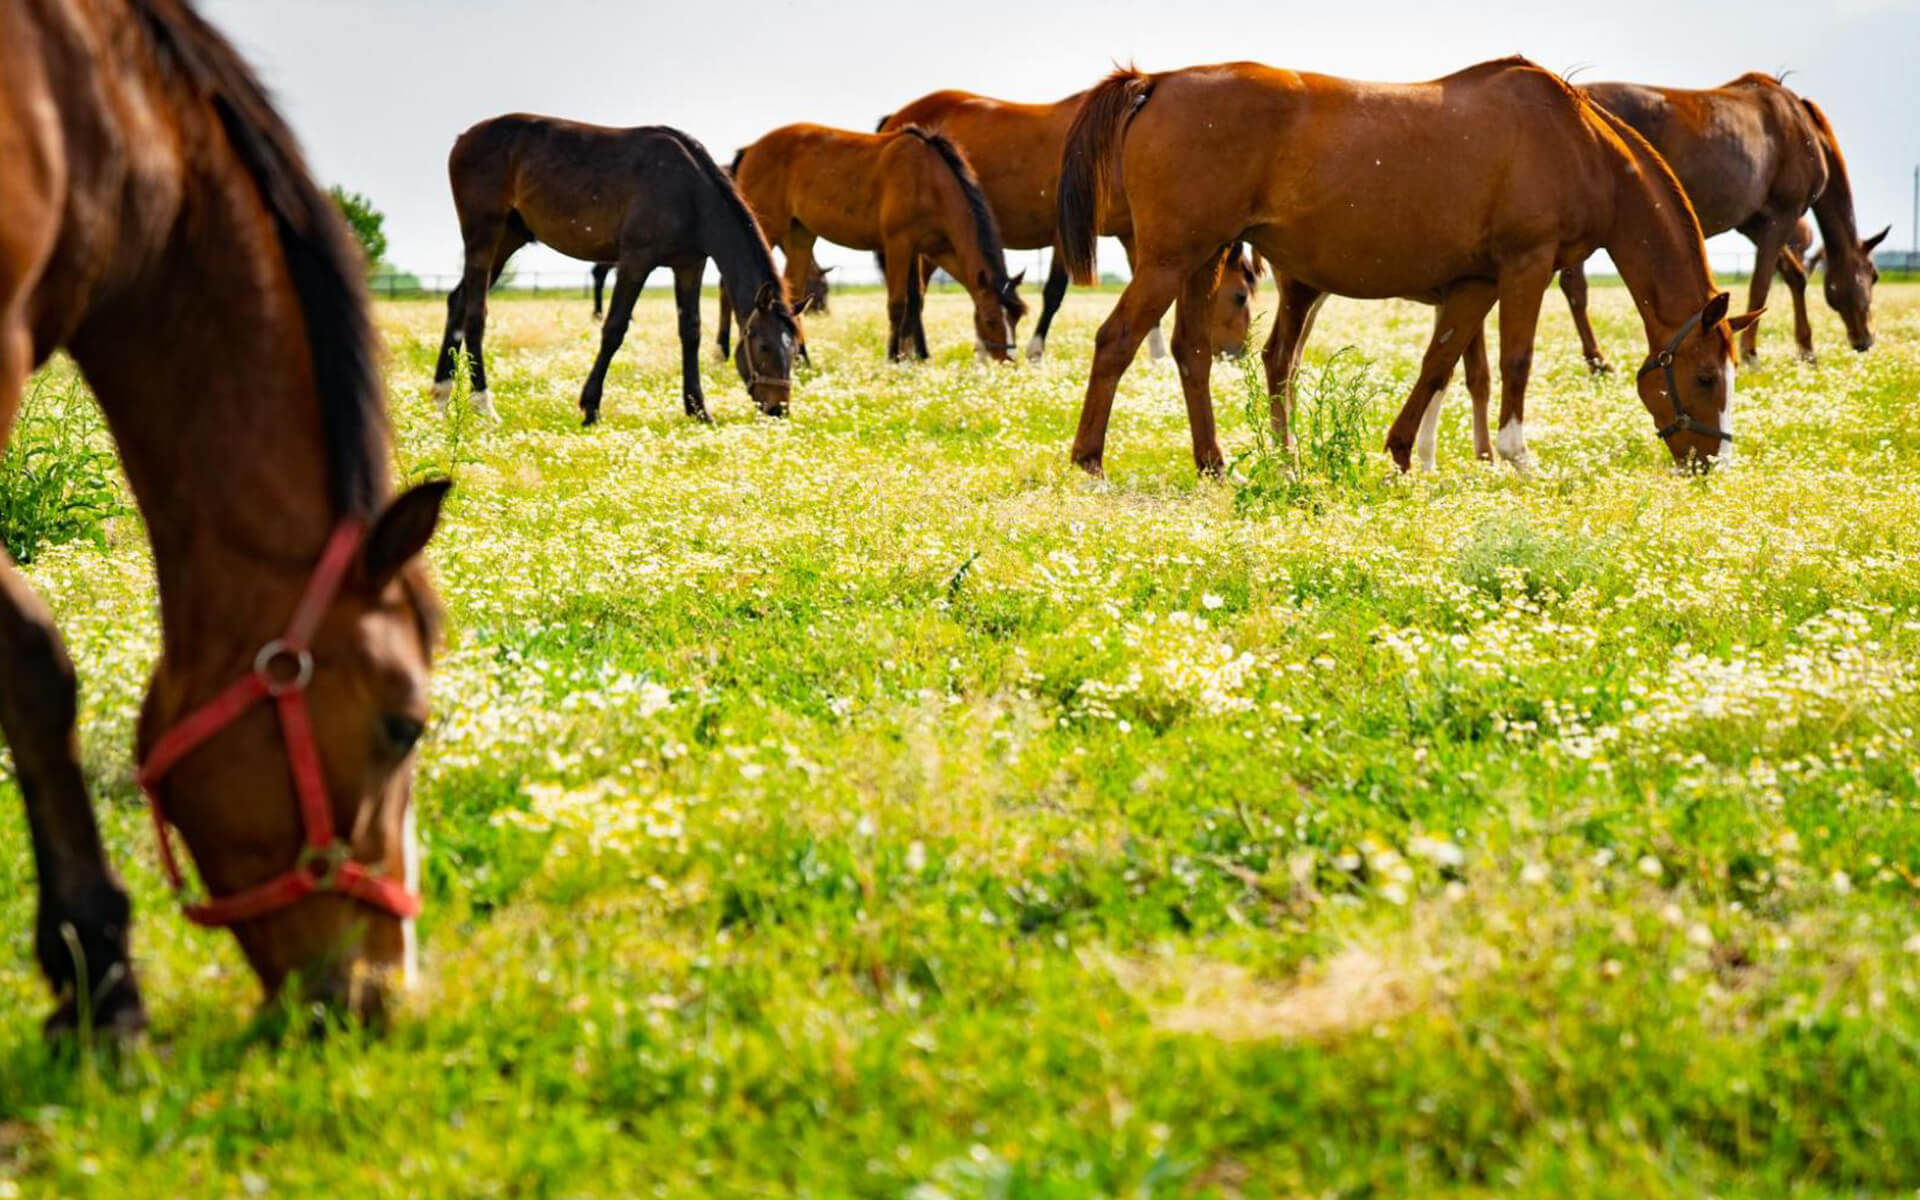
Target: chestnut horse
x=1015 y=150
x=909 y=194
x=1468 y=189
x=814 y=301
x=642 y=198
x=145 y=166
x=1752 y=156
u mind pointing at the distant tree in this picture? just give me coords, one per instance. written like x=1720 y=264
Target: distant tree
x=367 y=223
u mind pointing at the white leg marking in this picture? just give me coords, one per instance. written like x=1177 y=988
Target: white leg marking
x=1036 y=349
x=409 y=944
x=1426 y=442
x=1726 y=418
x=1156 y=344
x=483 y=406
x=1512 y=444
x=443 y=395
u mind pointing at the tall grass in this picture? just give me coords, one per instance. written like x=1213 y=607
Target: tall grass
x=1332 y=427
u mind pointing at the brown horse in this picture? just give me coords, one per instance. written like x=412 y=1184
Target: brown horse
x=815 y=300
x=642 y=198
x=1469 y=189
x=908 y=194
x=251 y=427
x=1015 y=149
x=1752 y=156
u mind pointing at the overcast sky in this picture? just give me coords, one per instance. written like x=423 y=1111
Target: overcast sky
x=378 y=89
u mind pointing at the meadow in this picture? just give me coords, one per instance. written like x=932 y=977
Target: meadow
x=870 y=804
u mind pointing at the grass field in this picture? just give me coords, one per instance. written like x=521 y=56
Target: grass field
x=871 y=805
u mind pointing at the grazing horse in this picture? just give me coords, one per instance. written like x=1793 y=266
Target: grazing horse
x=144 y=165
x=1752 y=156
x=909 y=194
x=814 y=301
x=641 y=198
x=1015 y=150
x=1468 y=189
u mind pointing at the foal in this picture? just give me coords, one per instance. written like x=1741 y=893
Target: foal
x=641 y=198
x=909 y=194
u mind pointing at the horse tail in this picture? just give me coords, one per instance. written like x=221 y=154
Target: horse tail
x=1089 y=161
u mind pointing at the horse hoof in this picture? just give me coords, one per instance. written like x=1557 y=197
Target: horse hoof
x=1599 y=366
x=1036 y=349
x=700 y=415
x=1091 y=465
x=442 y=395
x=482 y=404
x=589 y=417
x=1402 y=453
x=119 y=1018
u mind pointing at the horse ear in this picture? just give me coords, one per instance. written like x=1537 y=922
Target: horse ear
x=1876 y=239
x=1739 y=324
x=767 y=296
x=826 y=271
x=400 y=533
x=1715 y=311
x=1017 y=280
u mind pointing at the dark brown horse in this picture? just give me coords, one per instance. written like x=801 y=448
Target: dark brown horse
x=909 y=194
x=814 y=301
x=641 y=198
x=251 y=427
x=1469 y=189
x=1015 y=149
x=1752 y=156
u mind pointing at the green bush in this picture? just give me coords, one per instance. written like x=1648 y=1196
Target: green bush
x=1332 y=428
x=60 y=477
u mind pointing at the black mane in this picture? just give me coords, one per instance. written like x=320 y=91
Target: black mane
x=722 y=180
x=321 y=259
x=985 y=227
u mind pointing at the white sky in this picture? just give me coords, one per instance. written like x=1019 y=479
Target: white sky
x=378 y=89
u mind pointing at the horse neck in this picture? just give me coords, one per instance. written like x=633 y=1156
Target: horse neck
x=1833 y=210
x=736 y=250
x=964 y=232
x=214 y=408
x=1655 y=243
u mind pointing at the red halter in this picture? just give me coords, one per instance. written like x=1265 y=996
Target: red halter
x=282 y=671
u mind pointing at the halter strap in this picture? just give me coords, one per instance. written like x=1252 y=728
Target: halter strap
x=1663 y=361
x=281 y=674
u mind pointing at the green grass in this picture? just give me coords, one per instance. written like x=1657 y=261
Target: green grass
x=870 y=805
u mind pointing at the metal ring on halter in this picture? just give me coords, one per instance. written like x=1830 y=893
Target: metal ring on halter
x=278 y=685
x=323 y=865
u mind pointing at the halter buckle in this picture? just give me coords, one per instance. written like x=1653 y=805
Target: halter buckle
x=275 y=653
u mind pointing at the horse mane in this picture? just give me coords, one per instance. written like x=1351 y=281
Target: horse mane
x=324 y=265
x=1657 y=170
x=723 y=183
x=1755 y=79
x=985 y=227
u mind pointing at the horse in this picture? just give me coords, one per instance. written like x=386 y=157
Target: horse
x=146 y=164
x=1015 y=150
x=642 y=198
x=1468 y=189
x=909 y=194
x=1752 y=156
x=814 y=300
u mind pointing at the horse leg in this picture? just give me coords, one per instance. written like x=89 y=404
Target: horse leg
x=1523 y=285
x=1794 y=273
x=600 y=273
x=626 y=290
x=1193 y=355
x=1141 y=306
x=443 y=368
x=80 y=936
x=1480 y=388
x=1156 y=343
x=1573 y=284
x=686 y=295
x=1292 y=325
x=1454 y=327
x=902 y=275
x=921 y=278
x=799 y=253
x=1769 y=236
x=726 y=324
x=1050 y=301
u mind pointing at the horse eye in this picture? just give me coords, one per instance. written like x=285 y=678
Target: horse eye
x=1240 y=300
x=401 y=732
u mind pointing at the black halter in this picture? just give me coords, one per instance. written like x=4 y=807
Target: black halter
x=1682 y=419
